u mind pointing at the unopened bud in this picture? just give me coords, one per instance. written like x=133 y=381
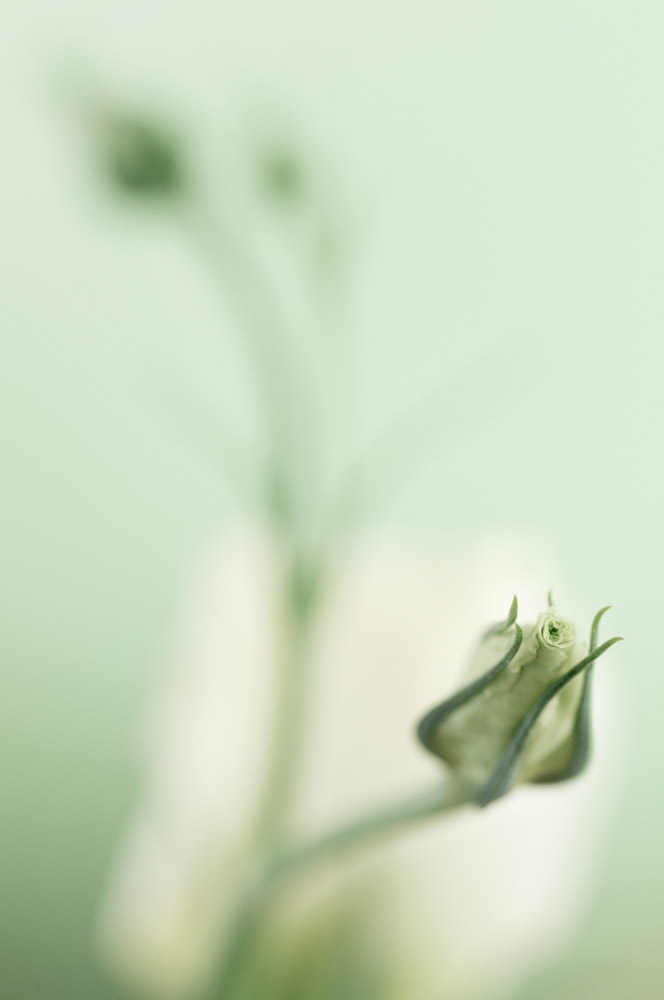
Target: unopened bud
x=141 y=157
x=524 y=716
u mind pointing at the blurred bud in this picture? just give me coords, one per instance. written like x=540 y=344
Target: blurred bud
x=526 y=717
x=282 y=175
x=140 y=157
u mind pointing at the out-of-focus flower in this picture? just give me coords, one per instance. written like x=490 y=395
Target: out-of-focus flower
x=461 y=907
x=525 y=718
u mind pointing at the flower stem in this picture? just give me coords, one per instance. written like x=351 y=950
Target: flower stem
x=279 y=871
x=281 y=779
x=375 y=825
x=280 y=381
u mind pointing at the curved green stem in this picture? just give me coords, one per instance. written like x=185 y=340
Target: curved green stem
x=284 y=866
x=383 y=822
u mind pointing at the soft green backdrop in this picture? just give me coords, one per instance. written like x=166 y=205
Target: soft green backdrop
x=505 y=164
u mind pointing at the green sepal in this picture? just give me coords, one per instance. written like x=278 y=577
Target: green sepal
x=500 y=627
x=505 y=774
x=428 y=725
x=572 y=758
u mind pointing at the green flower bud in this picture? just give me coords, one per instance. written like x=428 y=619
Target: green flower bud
x=524 y=716
x=283 y=175
x=140 y=157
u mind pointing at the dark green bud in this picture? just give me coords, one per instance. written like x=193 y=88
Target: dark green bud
x=141 y=158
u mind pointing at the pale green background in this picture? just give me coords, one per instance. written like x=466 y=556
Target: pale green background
x=506 y=162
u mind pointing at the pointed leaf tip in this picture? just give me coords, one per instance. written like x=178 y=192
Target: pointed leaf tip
x=503 y=626
x=595 y=625
x=513 y=612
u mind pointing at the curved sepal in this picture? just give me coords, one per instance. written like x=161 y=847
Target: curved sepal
x=506 y=773
x=572 y=758
x=428 y=725
x=500 y=627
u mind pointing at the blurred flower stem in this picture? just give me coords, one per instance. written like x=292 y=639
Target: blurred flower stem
x=291 y=458
x=281 y=390
x=279 y=869
x=290 y=467
x=282 y=771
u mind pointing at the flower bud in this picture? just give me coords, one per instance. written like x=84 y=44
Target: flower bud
x=524 y=716
x=141 y=157
x=283 y=175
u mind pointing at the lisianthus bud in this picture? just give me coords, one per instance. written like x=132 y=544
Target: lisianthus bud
x=524 y=716
x=140 y=156
x=283 y=175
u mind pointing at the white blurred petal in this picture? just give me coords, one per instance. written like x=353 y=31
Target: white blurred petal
x=174 y=876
